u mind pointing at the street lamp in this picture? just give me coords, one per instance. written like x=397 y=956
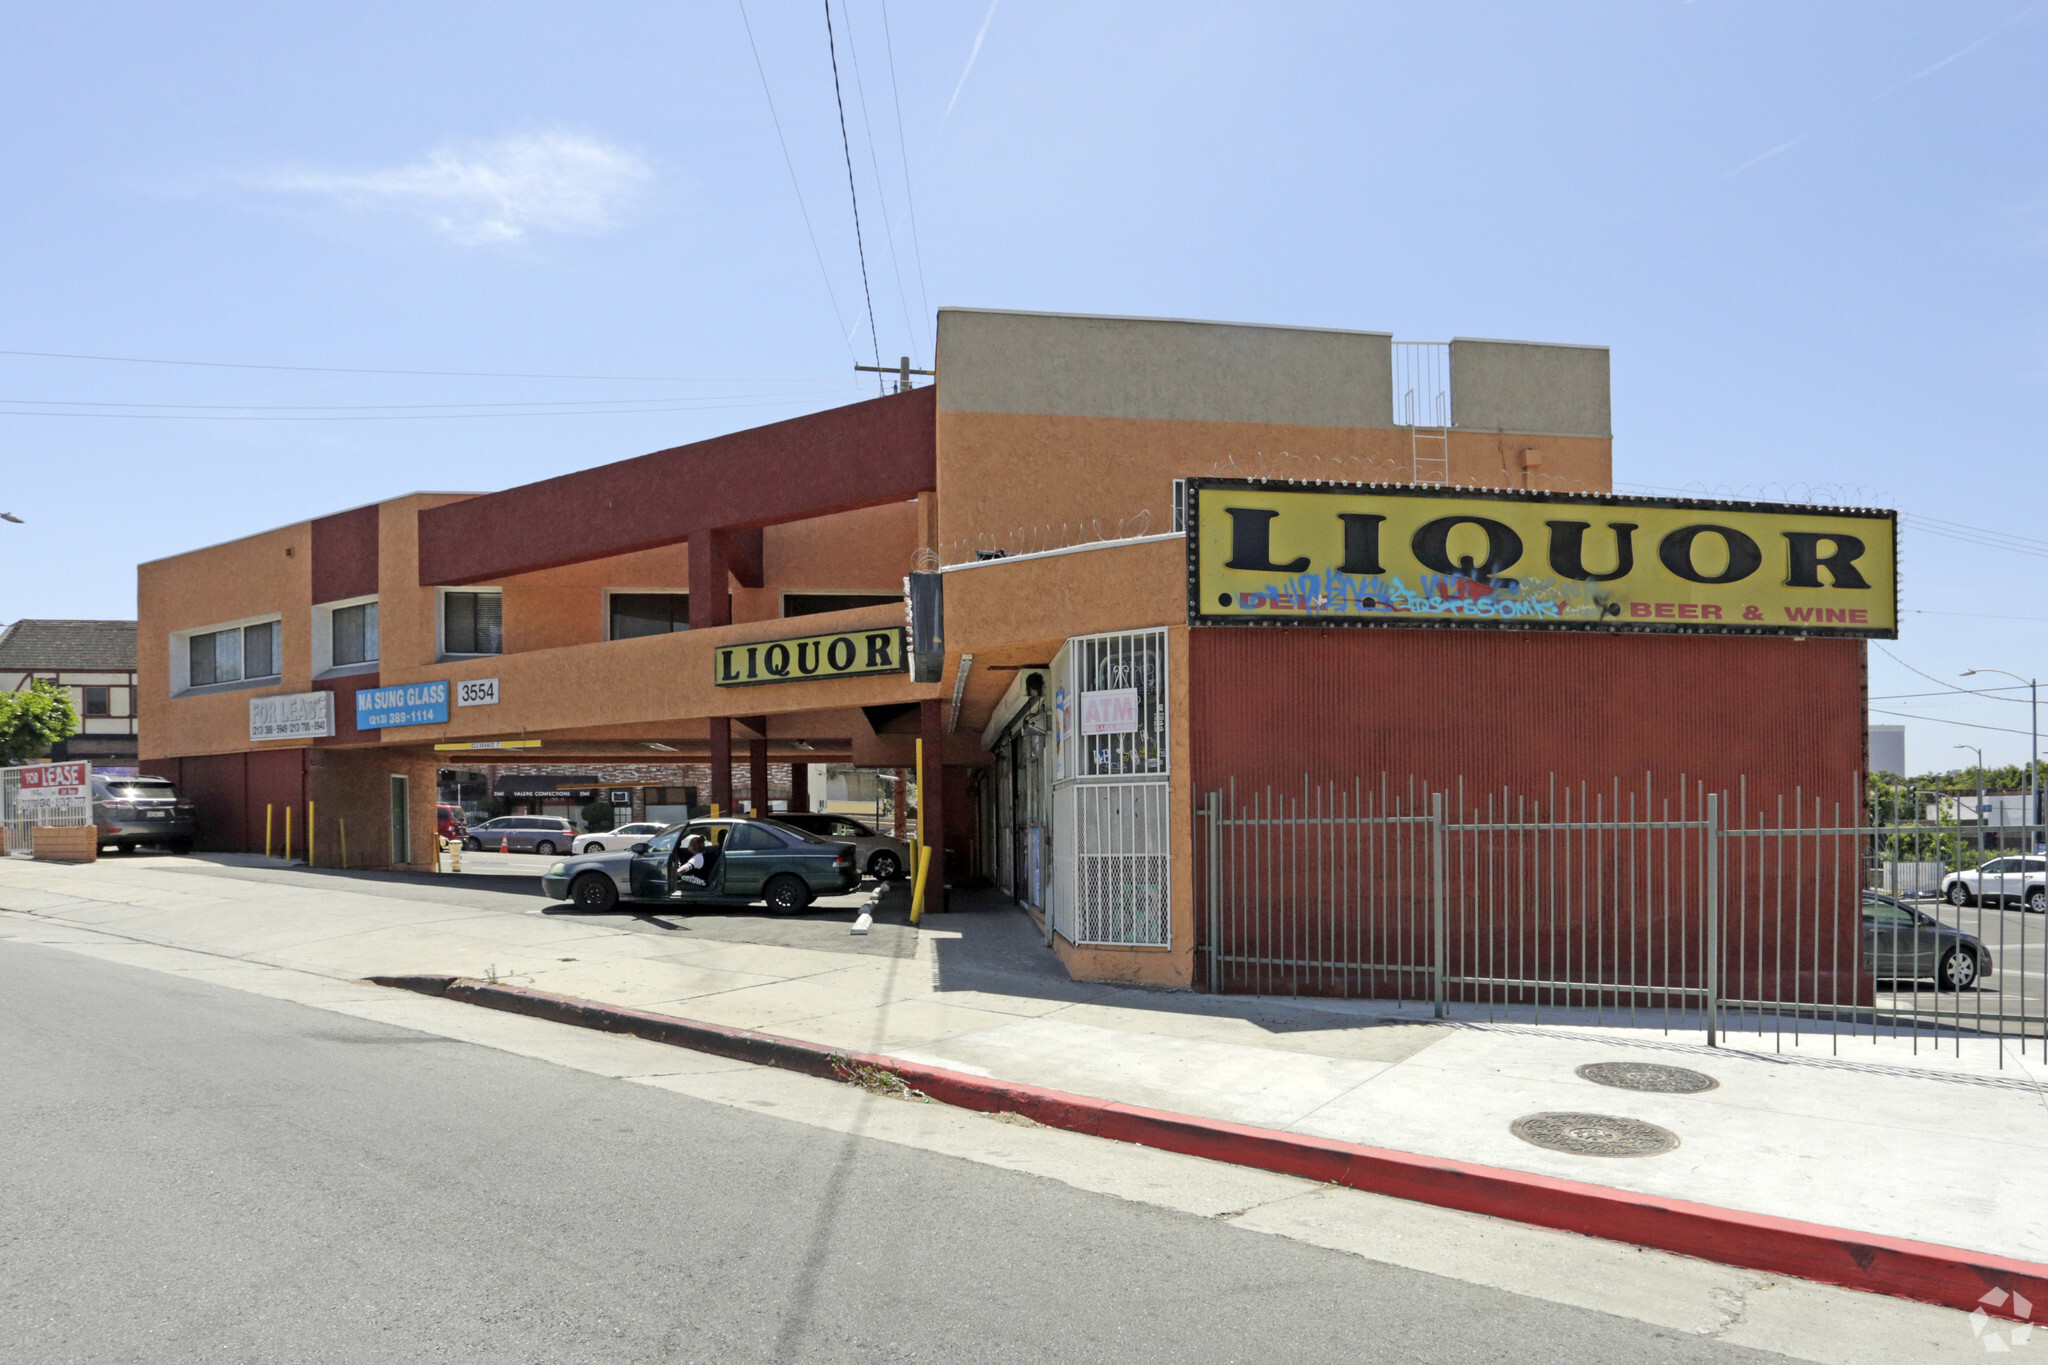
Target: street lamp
x=1980 y=797
x=2034 y=758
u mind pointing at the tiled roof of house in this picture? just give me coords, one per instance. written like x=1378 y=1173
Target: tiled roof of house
x=83 y=646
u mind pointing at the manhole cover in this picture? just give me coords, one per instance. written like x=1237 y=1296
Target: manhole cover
x=1594 y=1134
x=1664 y=1080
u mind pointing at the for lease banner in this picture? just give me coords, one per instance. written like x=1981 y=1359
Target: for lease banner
x=844 y=654
x=1330 y=554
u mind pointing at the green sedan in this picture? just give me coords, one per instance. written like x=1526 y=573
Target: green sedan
x=751 y=861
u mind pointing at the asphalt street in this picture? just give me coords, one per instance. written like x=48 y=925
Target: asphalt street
x=195 y=1173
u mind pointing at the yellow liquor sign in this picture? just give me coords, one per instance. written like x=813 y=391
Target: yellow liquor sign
x=843 y=654
x=1332 y=554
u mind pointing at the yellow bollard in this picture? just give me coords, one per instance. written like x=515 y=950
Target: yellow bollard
x=924 y=863
x=287 y=833
x=714 y=810
x=311 y=826
x=268 y=810
x=344 y=842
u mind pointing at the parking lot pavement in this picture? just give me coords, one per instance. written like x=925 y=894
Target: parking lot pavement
x=1822 y=1128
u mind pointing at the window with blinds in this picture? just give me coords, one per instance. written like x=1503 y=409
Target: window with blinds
x=472 y=623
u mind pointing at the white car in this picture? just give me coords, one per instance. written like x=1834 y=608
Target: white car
x=617 y=840
x=2017 y=879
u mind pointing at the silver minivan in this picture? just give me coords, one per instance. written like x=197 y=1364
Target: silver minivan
x=549 y=834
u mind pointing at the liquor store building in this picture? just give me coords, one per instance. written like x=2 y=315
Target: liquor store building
x=1159 y=570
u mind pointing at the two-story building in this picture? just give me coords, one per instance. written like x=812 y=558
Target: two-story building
x=1127 y=614
x=95 y=662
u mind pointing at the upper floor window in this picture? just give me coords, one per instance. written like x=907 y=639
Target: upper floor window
x=648 y=613
x=812 y=603
x=355 y=634
x=472 y=622
x=98 y=701
x=237 y=654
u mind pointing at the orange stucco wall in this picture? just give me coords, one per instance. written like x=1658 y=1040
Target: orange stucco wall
x=1027 y=482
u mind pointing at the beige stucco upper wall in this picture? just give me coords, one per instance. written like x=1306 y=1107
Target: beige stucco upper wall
x=1534 y=388
x=1068 y=365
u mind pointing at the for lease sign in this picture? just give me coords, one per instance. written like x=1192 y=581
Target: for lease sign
x=1331 y=554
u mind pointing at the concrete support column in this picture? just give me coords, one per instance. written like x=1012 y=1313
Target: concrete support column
x=721 y=764
x=931 y=810
x=800 y=786
x=757 y=776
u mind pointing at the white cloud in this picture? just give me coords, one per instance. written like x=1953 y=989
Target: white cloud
x=502 y=191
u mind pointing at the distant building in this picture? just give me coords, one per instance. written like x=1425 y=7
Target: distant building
x=1888 y=749
x=95 y=660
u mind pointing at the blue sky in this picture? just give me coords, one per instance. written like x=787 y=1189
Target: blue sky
x=1814 y=235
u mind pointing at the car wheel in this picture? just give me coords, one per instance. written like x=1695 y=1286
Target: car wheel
x=1958 y=970
x=545 y=849
x=474 y=845
x=787 y=895
x=180 y=845
x=593 y=892
x=884 y=867
x=124 y=848
x=2037 y=900
x=1958 y=894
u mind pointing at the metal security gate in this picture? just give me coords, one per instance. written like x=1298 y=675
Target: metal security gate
x=50 y=795
x=1684 y=910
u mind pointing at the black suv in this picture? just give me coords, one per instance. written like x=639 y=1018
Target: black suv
x=134 y=811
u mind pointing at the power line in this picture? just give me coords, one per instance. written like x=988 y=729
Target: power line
x=1902 y=696
x=910 y=202
x=845 y=332
x=888 y=226
x=852 y=190
x=392 y=417
x=437 y=374
x=1985 y=692
x=1937 y=720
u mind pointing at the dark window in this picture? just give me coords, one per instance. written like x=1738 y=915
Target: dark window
x=355 y=634
x=851 y=829
x=753 y=838
x=473 y=623
x=812 y=603
x=664 y=842
x=649 y=613
x=259 y=651
x=97 y=702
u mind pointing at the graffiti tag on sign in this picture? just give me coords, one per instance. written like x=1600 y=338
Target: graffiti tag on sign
x=844 y=654
x=1331 y=554
x=1112 y=712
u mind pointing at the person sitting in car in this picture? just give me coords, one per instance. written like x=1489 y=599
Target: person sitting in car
x=696 y=867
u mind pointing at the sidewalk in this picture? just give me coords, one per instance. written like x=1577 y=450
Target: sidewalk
x=1875 y=1138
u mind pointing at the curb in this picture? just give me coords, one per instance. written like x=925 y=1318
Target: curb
x=1894 y=1266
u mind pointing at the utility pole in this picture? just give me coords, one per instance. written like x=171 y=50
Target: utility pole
x=902 y=371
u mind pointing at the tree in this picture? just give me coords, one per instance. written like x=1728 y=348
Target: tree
x=597 y=817
x=32 y=720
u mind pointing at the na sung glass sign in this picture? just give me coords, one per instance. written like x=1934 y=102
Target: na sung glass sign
x=380 y=708
x=1261 y=553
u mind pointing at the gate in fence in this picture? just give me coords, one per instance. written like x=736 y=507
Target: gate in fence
x=1688 y=910
x=50 y=795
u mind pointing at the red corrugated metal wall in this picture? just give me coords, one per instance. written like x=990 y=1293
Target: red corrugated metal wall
x=1533 y=713
x=231 y=791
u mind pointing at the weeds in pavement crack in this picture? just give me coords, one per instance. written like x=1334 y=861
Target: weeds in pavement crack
x=875 y=1080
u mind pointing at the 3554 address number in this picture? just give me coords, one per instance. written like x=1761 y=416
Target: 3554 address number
x=477 y=692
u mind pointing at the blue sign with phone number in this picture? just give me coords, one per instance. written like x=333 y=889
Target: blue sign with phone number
x=379 y=708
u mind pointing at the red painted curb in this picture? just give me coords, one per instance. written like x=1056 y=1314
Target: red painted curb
x=1948 y=1276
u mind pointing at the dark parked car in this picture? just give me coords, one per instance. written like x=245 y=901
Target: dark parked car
x=448 y=821
x=755 y=860
x=548 y=834
x=134 y=811
x=1901 y=944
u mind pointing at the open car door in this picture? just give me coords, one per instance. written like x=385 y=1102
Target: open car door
x=648 y=874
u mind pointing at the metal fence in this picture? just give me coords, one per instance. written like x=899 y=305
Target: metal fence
x=25 y=804
x=1685 y=909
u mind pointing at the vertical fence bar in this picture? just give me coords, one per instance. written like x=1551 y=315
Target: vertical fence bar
x=1213 y=895
x=1712 y=840
x=1440 y=898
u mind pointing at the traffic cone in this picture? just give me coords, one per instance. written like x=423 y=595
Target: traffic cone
x=504 y=843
